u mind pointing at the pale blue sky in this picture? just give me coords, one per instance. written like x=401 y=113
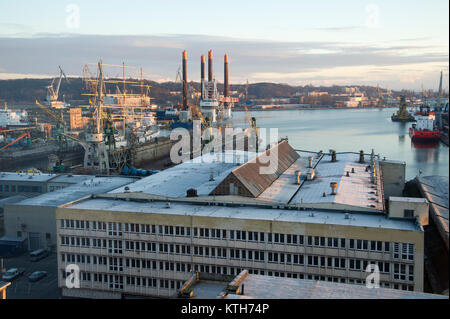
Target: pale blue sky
x=396 y=43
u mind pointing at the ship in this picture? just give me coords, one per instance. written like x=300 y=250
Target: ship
x=424 y=130
x=9 y=118
x=402 y=114
x=424 y=110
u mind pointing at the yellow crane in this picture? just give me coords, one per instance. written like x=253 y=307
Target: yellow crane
x=58 y=119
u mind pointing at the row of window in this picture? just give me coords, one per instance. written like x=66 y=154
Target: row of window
x=401 y=250
x=116 y=246
x=20 y=188
x=401 y=271
x=117 y=281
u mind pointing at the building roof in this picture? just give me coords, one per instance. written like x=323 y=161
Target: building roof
x=246 y=212
x=407 y=199
x=267 y=287
x=196 y=173
x=12 y=199
x=355 y=190
x=90 y=185
x=29 y=177
x=435 y=189
x=259 y=173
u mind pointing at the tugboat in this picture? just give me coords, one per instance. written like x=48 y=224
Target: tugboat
x=424 y=130
x=402 y=114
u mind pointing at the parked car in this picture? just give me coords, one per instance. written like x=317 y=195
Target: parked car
x=12 y=274
x=39 y=254
x=37 y=275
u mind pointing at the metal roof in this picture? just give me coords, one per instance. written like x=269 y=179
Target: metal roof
x=267 y=287
x=196 y=173
x=253 y=174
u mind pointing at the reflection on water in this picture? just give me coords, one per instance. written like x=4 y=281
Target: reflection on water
x=426 y=152
x=354 y=130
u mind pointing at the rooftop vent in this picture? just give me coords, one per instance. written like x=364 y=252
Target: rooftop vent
x=333 y=186
x=353 y=169
x=348 y=174
x=311 y=161
x=333 y=155
x=168 y=205
x=347 y=216
x=298 y=174
x=324 y=194
x=192 y=192
x=211 y=175
x=311 y=174
x=361 y=156
x=127 y=189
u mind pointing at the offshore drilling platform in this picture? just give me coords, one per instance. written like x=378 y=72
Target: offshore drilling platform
x=117 y=131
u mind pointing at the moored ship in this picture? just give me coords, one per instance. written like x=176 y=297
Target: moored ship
x=424 y=130
x=402 y=114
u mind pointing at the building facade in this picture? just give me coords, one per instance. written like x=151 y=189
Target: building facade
x=150 y=254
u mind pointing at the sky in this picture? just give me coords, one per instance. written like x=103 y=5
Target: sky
x=395 y=44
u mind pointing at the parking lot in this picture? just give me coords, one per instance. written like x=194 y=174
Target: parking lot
x=22 y=288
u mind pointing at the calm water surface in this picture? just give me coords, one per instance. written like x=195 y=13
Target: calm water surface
x=354 y=130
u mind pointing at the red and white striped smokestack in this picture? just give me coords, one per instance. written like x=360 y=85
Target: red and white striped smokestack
x=184 y=57
x=210 y=65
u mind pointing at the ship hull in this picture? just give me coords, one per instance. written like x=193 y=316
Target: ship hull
x=400 y=119
x=423 y=135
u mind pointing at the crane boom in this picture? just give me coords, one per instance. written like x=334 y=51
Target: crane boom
x=61 y=73
x=26 y=134
x=51 y=114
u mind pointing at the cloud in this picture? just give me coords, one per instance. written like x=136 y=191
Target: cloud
x=256 y=60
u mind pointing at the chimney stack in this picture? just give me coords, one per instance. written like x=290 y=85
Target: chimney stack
x=225 y=75
x=202 y=73
x=184 y=80
x=210 y=65
x=311 y=161
x=333 y=186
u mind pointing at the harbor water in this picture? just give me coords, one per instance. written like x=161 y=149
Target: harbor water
x=346 y=130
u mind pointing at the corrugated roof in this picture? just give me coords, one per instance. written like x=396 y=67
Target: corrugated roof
x=259 y=173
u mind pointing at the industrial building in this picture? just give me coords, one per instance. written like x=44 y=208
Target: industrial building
x=34 y=218
x=317 y=216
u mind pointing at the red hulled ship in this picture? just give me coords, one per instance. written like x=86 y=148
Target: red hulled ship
x=424 y=129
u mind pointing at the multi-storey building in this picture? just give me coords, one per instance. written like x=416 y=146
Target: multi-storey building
x=213 y=217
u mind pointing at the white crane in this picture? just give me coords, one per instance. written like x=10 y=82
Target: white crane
x=52 y=94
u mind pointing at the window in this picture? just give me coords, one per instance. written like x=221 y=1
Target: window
x=408 y=213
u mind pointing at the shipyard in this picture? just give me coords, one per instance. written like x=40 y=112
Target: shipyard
x=196 y=156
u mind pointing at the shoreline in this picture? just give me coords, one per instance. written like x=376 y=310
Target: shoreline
x=241 y=109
